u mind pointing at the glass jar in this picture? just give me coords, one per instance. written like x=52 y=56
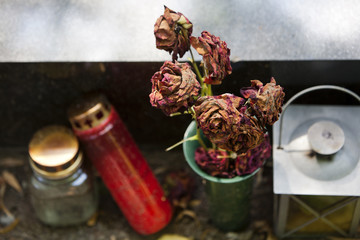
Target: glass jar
x=62 y=188
x=125 y=172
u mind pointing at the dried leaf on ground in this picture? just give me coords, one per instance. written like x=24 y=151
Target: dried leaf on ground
x=195 y=203
x=12 y=181
x=11 y=162
x=179 y=187
x=264 y=227
x=184 y=213
x=173 y=237
x=9 y=216
x=2 y=193
x=93 y=219
x=160 y=170
x=9 y=227
x=207 y=232
x=2 y=186
x=244 y=235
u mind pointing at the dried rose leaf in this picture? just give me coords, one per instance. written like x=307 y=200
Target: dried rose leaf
x=12 y=181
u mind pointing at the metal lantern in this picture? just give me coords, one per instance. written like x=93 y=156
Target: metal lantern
x=316 y=151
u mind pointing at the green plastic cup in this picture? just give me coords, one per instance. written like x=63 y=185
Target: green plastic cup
x=228 y=198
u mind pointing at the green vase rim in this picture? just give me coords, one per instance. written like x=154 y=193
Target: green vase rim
x=191 y=161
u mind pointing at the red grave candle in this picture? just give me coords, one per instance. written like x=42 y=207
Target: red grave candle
x=120 y=164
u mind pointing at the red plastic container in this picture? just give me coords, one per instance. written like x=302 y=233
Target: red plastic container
x=122 y=167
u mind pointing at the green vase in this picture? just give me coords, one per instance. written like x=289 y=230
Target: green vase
x=228 y=198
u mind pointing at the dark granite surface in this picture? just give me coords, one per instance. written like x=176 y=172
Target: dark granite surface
x=33 y=95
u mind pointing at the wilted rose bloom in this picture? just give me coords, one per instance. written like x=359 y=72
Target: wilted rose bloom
x=266 y=101
x=225 y=122
x=213 y=162
x=254 y=158
x=216 y=57
x=174 y=87
x=172 y=31
x=217 y=162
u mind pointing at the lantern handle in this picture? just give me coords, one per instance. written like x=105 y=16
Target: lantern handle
x=320 y=87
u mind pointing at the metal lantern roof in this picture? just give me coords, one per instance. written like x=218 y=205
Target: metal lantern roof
x=316 y=148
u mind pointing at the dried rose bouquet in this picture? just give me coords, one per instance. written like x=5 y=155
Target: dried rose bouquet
x=235 y=126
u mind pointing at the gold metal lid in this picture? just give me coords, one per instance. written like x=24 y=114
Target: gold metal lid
x=88 y=112
x=54 y=152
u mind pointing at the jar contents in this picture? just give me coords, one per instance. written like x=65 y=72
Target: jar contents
x=62 y=189
x=122 y=167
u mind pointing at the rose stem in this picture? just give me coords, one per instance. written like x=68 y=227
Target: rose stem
x=182 y=141
x=200 y=139
x=178 y=113
x=201 y=79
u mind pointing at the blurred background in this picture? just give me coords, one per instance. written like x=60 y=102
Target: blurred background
x=52 y=52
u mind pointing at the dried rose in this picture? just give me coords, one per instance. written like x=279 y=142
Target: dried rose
x=174 y=87
x=266 y=101
x=216 y=57
x=217 y=162
x=172 y=31
x=213 y=162
x=225 y=122
x=254 y=158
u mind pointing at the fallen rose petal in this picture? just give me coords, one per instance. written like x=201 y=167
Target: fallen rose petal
x=12 y=181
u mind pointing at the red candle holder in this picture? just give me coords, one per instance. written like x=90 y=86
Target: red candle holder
x=125 y=172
